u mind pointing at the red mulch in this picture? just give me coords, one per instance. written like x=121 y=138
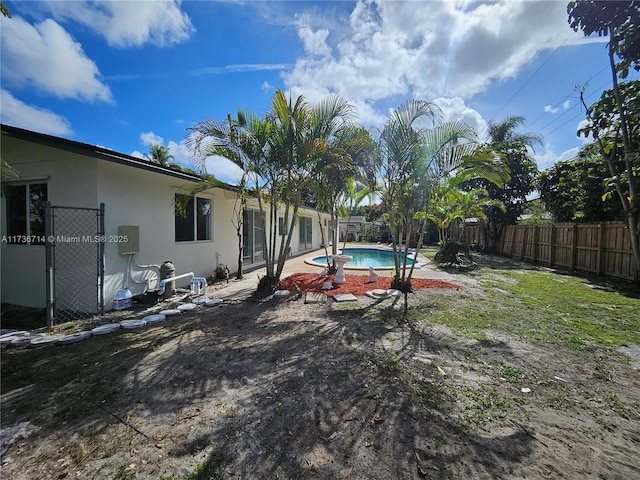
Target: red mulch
x=356 y=284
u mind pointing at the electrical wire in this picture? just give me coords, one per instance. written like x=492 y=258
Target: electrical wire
x=531 y=77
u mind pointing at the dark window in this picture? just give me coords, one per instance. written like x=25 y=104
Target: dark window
x=192 y=218
x=281 y=230
x=25 y=213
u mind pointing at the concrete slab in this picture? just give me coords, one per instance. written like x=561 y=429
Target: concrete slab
x=345 y=297
x=315 y=297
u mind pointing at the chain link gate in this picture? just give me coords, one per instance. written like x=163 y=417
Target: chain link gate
x=74 y=242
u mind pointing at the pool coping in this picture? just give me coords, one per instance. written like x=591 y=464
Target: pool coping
x=418 y=264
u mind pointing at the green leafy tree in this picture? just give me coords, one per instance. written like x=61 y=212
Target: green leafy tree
x=614 y=120
x=575 y=190
x=514 y=147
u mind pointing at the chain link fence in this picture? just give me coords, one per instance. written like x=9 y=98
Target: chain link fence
x=74 y=262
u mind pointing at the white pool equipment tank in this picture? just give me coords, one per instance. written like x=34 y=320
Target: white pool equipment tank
x=123 y=299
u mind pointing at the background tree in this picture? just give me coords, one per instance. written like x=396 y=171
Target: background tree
x=159 y=154
x=573 y=190
x=615 y=118
x=450 y=206
x=353 y=196
x=514 y=147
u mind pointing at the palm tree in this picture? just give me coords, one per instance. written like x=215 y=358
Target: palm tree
x=402 y=172
x=303 y=136
x=334 y=172
x=243 y=140
x=413 y=161
x=280 y=153
x=450 y=206
x=159 y=154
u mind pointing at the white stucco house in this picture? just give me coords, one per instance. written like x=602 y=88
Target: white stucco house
x=350 y=227
x=138 y=204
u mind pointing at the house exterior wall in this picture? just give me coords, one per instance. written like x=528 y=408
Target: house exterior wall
x=132 y=197
x=71 y=181
x=144 y=199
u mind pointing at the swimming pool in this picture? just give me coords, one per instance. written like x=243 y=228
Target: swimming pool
x=363 y=258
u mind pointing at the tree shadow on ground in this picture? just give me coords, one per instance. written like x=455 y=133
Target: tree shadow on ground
x=317 y=392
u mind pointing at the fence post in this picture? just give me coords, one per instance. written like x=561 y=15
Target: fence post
x=552 y=244
x=574 y=245
x=513 y=239
x=49 y=243
x=602 y=232
x=101 y=246
x=535 y=243
x=523 y=249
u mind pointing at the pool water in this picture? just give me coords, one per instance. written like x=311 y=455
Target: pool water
x=364 y=258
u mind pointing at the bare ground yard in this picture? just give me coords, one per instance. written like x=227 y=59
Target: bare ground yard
x=282 y=389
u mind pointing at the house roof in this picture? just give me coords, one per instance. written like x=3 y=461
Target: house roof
x=94 y=151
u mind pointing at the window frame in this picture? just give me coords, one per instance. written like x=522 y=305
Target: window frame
x=29 y=236
x=192 y=220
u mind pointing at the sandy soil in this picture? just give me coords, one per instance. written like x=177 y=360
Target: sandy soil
x=281 y=389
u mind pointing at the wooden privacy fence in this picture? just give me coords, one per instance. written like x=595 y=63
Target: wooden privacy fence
x=601 y=248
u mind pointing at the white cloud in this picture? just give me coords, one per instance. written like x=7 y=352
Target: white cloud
x=150 y=138
x=549 y=109
x=223 y=169
x=566 y=105
x=266 y=87
x=389 y=50
x=19 y=114
x=454 y=109
x=47 y=57
x=549 y=158
x=243 y=67
x=126 y=24
x=314 y=42
x=181 y=153
x=584 y=123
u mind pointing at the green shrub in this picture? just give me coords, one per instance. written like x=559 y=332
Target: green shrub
x=453 y=252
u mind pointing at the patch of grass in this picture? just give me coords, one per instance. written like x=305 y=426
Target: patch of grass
x=510 y=372
x=122 y=473
x=539 y=305
x=211 y=469
x=613 y=402
x=486 y=404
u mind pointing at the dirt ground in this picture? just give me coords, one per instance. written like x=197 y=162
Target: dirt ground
x=280 y=389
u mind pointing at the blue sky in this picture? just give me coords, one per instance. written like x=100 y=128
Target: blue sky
x=123 y=74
